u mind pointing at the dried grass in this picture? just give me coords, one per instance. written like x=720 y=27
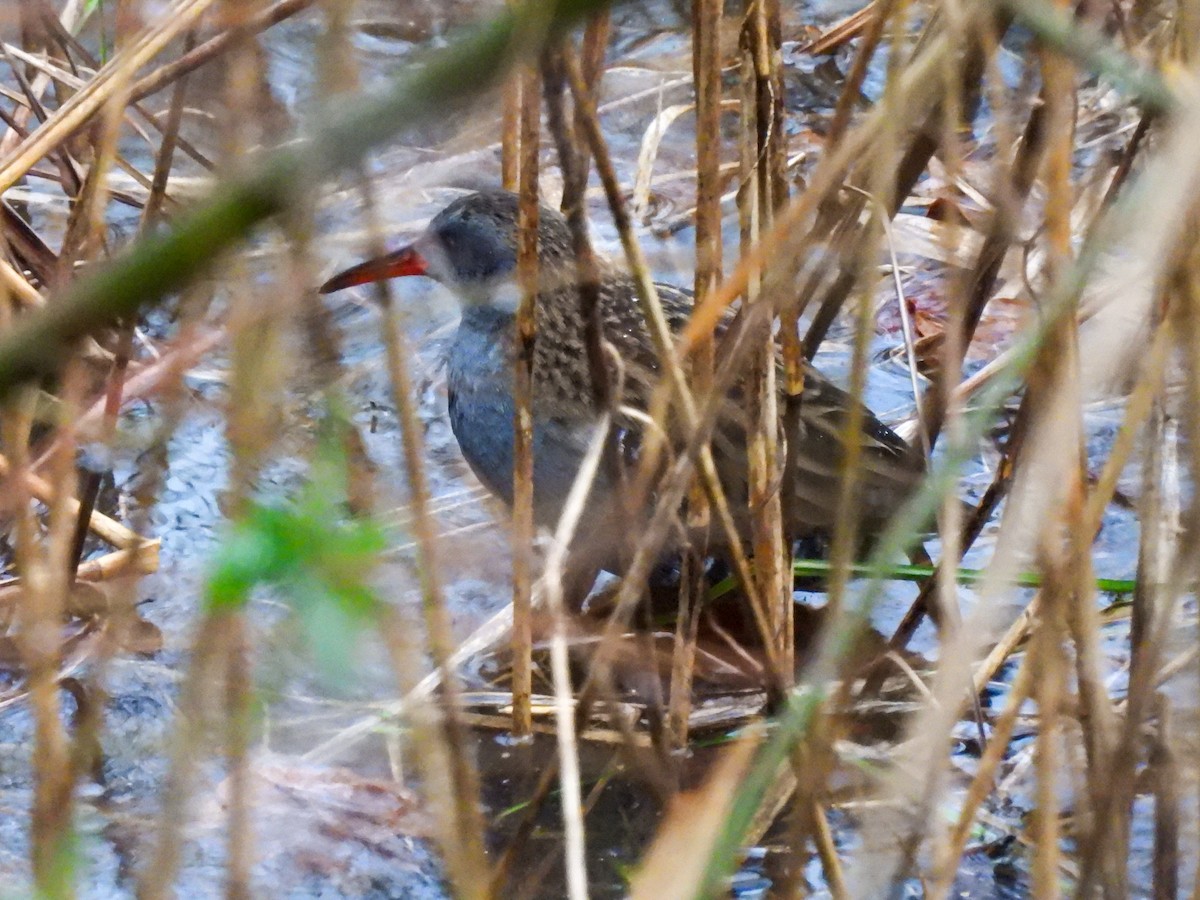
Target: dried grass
x=1074 y=206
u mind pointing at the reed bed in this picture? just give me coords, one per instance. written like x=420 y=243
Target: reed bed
x=987 y=206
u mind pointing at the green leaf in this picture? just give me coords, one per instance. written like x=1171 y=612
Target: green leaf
x=317 y=555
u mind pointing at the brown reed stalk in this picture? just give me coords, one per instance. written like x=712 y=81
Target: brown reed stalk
x=757 y=147
x=165 y=157
x=706 y=73
x=646 y=554
x=949 y=851
x=814 y=760
x=950 y=521
x=510 y=133
x=522 y=511
x=1164 y=773
x=440 y=738
x=255 y=385
x=574 y=172
x=1185 y=317
x=186 y=746
x=763 y=189
x=1153 y=604
x=42 y=564
x=1137 y=409
x=1054 y=374
x=706 y=69
x=1044 y=830
x=592 y=50
x=463 y=845
x=89 y=228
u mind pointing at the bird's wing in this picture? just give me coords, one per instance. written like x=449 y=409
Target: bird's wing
x=890 y=467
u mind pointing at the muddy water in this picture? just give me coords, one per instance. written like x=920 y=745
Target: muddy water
x=333 y=824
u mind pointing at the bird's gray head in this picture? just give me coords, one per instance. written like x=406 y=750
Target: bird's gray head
x=471 y=247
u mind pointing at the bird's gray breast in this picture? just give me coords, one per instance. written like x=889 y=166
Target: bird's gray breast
x=480 y=387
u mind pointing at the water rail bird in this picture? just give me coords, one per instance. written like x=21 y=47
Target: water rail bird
x=471 y=248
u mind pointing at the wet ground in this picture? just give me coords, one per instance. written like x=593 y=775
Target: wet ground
x=336 y=824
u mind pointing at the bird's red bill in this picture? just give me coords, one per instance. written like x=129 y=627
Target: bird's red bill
x=406 y=261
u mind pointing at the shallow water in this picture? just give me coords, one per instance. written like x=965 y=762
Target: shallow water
x=306 y=848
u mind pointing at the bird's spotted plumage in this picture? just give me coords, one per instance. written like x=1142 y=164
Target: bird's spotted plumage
x=470 y=246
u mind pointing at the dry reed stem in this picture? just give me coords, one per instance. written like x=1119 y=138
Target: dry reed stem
x=259 y=358
x=43 y=564
x=1105 y=856
x=1184 y=317
x=510 y=133
x=141 y=560
x=1137 y=408
x=463 y=842
x=845 y=532
x=1054 y=393
x=673 y=376
x=526 y=325
x=764 y=160
x=1049 y=691
x=950 y=521
x=564 y=712
x=186 y=744
x=121 y=606
x=949 y=851
x=572 y=163
x=592 y=51
x=706 y=76
x=1164 y=774
x=858 y=23
x=16 y=287
x=165 y=157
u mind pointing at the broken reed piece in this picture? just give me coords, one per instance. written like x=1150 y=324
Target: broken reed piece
x=102 y=526
x=12 y=282
x=840 y=33
x=141 y=559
